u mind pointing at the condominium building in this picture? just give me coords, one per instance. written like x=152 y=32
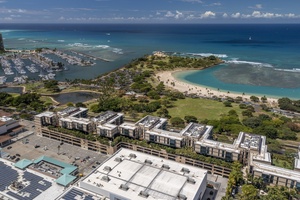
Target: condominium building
x=107 y=123
x=77 y=112
x=249 y=149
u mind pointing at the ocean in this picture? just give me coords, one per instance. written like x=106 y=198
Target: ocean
x=260 y=59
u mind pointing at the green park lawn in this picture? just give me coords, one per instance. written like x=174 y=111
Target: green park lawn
x=201 y=108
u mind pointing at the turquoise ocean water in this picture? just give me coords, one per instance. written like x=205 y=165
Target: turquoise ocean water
x=259 y=59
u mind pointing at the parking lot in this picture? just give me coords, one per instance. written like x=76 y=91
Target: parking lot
x=31 y=147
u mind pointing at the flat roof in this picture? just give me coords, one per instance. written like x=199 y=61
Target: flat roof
x=164 y=133
x=77 y=120
x=149 y=121
x=46 y=114
x=67 y=168
x=277 y=171
x=79 y=193
x=128 y=173
x=36 y=185
x=71 y=111
x=251 y=141
x=218 y=145
x=108 y=116
x=5 y=137
x=107 y=126
x=5 y=119
x=127 y=125
x=195 y=130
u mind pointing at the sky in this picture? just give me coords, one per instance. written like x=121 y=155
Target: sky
x=149 y=11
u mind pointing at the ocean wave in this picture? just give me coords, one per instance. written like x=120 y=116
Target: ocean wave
x=208 y=54
x=102 y=46
x=288 y=70
x=117 y=51
x=21 y=39
x=256 y=64
x=6 y=31
x=77 y=44
x=60 y=40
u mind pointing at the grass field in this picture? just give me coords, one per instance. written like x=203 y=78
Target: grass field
x=47 y=99
x=201 y=108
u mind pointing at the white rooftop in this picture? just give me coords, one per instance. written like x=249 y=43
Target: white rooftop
x=164 y=133
x=128 y=172
x=196 y=130
x=277 y=171
x=107 y=126
x=218 y=145
x=5 y=119
x=46 y=114
x=127 y=125
x=150 y=121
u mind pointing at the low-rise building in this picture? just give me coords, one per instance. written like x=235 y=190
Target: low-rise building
x=249 y=149
x=134 y=175
x=7 y=123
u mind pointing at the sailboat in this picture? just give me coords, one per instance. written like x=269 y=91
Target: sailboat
x=250 y=38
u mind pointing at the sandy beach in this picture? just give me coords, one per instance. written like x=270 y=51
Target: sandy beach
x=170 y=81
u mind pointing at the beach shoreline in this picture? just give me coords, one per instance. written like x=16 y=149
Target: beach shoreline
x=170 y=80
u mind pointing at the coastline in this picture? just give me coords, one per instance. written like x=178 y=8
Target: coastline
x=168 y=78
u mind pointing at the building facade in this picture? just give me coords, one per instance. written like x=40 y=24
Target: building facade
x=248 y=149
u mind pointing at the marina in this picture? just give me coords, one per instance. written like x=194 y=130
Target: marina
x=23 y=64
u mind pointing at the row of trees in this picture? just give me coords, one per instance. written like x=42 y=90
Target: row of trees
x=23 y=102
x=288 y=104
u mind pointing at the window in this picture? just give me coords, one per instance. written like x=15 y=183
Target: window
x=172 y=143
x=207 y=150
x=292 y=183
x=203 y=150
x=298 y=186
x=228 y=156
x=125 y=132
x=223 y=153
x=153 y=138
x=265 y=178
x=103 y=132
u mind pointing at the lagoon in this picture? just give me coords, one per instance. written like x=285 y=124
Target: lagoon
x=74 y=97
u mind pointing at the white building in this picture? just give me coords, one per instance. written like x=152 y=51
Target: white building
x=134 y=175
x=7 y=123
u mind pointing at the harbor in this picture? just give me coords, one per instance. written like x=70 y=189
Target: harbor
x=41 y=64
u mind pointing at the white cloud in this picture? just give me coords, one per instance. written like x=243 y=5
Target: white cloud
x=263 y=15
x=292 y=15
x=258 y=6
x=236 y=15
x=225 y=15
x=208 y=14
x=178 y=14
x=169 y=14
x=192 y=1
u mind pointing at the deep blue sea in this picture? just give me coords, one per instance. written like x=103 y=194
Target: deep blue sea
x=259 y=59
